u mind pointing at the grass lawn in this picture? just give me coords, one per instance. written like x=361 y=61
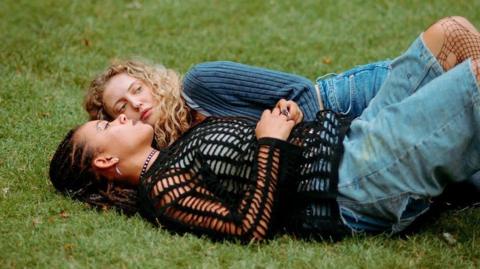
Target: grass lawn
x=49 y=50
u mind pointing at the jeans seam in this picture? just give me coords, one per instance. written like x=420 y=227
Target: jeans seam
x=325 y=77
x=353 y=93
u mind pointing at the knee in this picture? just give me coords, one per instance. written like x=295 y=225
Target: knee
x=465 y=23
x=438 y=32
x=459 y=19
x=439 y=27
x=434 y=36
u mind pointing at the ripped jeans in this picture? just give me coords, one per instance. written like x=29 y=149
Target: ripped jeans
x=418 y=133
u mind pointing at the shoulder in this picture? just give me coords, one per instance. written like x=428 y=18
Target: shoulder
x=200 y=74
x=209 y=67
x=209 y=70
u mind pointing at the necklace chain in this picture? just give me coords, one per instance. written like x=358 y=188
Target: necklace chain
x=147 y=161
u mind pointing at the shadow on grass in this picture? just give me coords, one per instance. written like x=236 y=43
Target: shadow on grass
x=456 y=197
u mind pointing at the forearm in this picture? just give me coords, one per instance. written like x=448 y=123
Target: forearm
x=256 y=222
x=179 y=198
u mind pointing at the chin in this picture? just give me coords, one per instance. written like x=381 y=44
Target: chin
x=144 y=129
x=150 y=121
x=151 y=132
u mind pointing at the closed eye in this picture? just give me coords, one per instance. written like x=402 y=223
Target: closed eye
x=102 y=125
x=106 y=125
x=122 y=108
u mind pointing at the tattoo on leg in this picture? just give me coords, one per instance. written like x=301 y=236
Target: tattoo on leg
x=460 y=43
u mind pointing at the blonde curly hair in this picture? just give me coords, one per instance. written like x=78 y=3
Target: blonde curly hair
x=172 y=114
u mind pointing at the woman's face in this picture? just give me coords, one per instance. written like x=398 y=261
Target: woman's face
x=120 y=138
x=124 y=94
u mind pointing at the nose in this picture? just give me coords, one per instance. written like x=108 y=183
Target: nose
x=122 y=119
x=137 y=105
x=135 y=102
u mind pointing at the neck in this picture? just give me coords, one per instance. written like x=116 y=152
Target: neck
x=132 y=168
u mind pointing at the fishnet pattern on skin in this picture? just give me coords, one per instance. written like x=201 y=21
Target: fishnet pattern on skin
x=460 y=44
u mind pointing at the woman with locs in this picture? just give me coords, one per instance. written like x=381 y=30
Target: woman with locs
x=229 y=179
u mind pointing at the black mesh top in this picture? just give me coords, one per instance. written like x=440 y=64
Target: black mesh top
x=219 y=180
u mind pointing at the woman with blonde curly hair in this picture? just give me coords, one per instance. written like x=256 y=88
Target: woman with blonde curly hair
x=158 y=96
x=151 y=93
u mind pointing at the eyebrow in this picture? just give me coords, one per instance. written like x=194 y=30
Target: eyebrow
x=97 y=126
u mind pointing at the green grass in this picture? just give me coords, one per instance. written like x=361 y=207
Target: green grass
x=49 y=50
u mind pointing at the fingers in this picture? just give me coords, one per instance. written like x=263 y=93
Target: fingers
x=265 y=113
x=282 y=113
x=275 y=113
x=284 y=106
x=274 y=124
x=285 y=113
x=298 y=117
x=290 y=109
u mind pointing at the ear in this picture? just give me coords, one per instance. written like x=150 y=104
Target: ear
x=103 y=162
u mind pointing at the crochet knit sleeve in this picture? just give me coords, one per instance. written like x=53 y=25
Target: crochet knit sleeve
x=190 y=197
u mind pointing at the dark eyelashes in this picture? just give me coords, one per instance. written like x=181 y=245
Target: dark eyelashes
x=133 y=90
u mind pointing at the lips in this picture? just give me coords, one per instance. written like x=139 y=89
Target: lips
x=145 y=114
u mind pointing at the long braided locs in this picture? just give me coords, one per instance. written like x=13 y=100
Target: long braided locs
x=71 y=174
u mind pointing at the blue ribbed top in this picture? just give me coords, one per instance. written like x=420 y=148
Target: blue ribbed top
x=225 y=88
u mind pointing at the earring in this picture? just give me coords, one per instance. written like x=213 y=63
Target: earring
x=118 y=170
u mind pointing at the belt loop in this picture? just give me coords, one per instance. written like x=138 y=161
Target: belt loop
x=319 y=97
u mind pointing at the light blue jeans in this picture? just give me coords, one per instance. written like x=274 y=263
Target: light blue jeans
x=420 y=132
x=350 y=92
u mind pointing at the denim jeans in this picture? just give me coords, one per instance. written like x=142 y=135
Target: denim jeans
x=350 y=92
x=418 y=133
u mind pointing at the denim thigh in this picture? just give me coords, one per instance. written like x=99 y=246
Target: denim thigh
x=350 y=92
x=419 y=135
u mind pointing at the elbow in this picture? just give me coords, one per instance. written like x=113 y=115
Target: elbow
x=191 y=80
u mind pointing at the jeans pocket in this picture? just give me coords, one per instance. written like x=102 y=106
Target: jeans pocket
x=349 y=93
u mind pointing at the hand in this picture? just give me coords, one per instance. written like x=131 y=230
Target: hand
x=274 y=124
x=291 y=110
